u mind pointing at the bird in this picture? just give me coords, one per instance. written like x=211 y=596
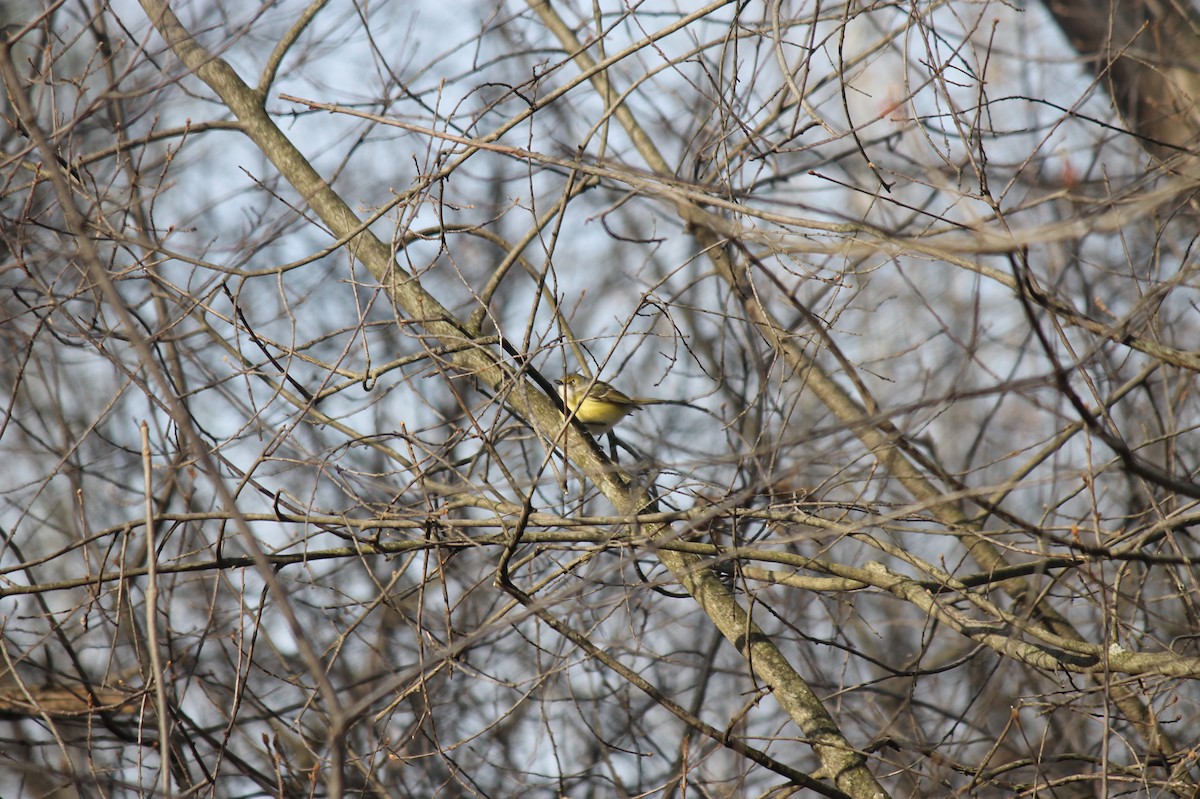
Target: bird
x=597 y=405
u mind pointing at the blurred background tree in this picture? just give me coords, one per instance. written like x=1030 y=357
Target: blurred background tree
x=289 y=507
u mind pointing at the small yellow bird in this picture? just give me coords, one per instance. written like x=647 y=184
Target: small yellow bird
x=597 y=405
